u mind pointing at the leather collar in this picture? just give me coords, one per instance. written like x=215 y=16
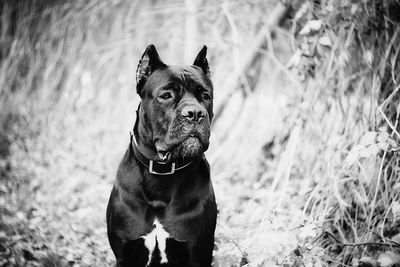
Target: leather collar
x=158 y=167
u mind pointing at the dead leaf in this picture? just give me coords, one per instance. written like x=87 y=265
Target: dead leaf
x=368 y=138
x=311 y=27
x=294 y=60
x=325 y=41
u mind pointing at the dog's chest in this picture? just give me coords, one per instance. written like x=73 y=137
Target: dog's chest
x=155 y=242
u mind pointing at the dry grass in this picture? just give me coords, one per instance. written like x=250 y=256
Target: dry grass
x=351 y=119
x=305 y=162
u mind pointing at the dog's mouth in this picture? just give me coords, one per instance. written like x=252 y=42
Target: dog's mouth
x=189 y=146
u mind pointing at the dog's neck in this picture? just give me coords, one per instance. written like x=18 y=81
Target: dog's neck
x=143 y=136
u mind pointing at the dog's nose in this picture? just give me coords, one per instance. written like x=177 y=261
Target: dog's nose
x=193 y=112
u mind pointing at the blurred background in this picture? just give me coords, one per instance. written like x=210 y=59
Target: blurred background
x=305 y=140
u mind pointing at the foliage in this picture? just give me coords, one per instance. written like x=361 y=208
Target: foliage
x=348 y=55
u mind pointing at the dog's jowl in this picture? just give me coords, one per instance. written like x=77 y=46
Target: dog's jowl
x=162 y=209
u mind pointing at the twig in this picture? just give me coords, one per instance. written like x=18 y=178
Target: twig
x=381 y=236
x=383 y=113
x=377 y=187
x=359 y=244
x=244 y=254
x=191 y=29
x=285 y=164
x=276 y=18
x=234 y=33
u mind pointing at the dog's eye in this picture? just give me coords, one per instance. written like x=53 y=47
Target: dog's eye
x=206 y=97
x=166 y=96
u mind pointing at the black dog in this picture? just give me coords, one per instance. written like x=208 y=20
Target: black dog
x=162 y=209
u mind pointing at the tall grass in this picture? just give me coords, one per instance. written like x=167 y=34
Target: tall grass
x=350 y=109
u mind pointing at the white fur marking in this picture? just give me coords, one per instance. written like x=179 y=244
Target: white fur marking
x=160 y=235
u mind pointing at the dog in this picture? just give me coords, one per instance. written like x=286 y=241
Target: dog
x=162 y=209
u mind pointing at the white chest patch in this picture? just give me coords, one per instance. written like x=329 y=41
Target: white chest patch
x=157 y=236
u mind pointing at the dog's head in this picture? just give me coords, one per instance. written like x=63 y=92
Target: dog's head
x=176 y=104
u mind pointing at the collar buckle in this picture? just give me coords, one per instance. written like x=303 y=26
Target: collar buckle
x=151 y=170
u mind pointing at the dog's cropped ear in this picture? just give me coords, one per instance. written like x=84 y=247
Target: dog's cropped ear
x=201 y=61
x=149 y=62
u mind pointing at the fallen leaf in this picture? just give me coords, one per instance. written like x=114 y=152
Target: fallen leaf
x=311 y=27
x=325 y=41
x=294 y=60
x=368 y=138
